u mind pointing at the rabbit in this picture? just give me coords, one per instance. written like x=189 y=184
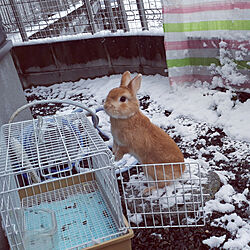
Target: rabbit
x=133 y=133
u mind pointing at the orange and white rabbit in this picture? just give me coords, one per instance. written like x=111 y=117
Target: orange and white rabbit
x=133 y=133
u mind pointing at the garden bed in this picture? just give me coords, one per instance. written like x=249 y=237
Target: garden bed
x=210 y=125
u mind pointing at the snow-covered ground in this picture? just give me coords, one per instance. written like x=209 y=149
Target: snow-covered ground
x=211 y=126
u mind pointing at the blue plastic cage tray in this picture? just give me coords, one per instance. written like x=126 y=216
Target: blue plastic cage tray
x=81 y=214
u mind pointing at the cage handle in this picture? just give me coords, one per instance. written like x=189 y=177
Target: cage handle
x=77 y=104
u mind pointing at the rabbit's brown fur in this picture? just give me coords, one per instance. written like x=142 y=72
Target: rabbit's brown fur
x=133 y=133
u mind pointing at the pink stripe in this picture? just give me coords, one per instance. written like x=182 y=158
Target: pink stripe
x=189 y=78
x=206 y=7
x=205 y=44
x=193 y=78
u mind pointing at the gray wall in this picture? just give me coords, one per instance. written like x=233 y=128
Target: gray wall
x=11 y=97
x=11 y=92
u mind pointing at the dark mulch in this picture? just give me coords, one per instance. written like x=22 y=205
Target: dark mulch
x=190 y=238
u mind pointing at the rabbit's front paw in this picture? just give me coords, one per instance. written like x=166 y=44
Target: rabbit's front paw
x=120 y=152
x=118 y=156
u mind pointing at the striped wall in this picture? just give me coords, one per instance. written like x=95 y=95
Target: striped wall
x=203 y=38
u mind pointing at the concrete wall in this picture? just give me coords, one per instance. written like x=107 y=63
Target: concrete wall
x=11 y=97
x=11 y=92
x=49 y=63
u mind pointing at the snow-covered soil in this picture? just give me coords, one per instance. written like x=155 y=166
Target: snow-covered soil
x=210 y=125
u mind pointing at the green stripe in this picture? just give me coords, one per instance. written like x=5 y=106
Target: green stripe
x=207 y=25
x=243 y=64
x=192 y=61
x=200 y=61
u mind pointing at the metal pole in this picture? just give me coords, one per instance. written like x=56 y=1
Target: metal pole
x=110 y=15
x=141 y=9
x=123 y=15
x=19 y=20
x=90 y=17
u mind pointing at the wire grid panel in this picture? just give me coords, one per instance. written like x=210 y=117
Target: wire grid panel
x=39 y=19
x=54 y=147
x=178 y=203
x=44 y=161
x=82 y=216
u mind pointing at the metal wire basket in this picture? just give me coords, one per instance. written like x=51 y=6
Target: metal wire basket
x=58 y=185
x=180 y=203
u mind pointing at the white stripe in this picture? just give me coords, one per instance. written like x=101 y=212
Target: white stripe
x=220 y=15
x=189 y=70
x=210 y=34
x=182 y=3
x=179 y=54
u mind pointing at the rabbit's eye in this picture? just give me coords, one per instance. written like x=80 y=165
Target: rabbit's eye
x=123 y=99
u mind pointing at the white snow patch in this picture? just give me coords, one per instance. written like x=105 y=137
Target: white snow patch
x=196 y=102
x=222 y=201
x=238 y=228
x=241 y=241
x=214 y=241
x=216 y=205
x=157 y=235
x=219 y=156
x=135 y=218
x=240 y=198
x=225 y=193
x=228 y=67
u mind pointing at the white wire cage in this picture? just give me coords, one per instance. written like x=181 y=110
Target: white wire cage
x=171 y=203
x=58 y=186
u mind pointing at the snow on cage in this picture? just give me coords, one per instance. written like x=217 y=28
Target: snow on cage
x=171 y=203
x=58 y=187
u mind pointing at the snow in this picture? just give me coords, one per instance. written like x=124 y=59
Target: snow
x=216 y=205
x=104 y=33
x=224 y=199
x=241 y=241
x=202 y=104
x=228 y=67
x=240 y=198
x=219 y=156
x=225 y=193
x=214 y=241
x=157 y=235
x=238 y=228
x=191 y=110
x=135 y=218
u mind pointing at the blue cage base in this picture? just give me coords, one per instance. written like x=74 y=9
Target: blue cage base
x=82 y=217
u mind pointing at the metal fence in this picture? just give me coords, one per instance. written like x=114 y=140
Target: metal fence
x=26 y=20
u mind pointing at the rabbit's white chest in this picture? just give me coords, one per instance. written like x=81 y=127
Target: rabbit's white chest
x=118 y=142
x=117 y=138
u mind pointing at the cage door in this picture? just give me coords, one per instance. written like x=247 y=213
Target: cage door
x=151 y=202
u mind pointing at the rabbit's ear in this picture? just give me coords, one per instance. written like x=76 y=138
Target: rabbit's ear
x=125 y=79
x=135 y=84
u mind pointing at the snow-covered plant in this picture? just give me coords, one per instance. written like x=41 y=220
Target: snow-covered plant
x=228 y=71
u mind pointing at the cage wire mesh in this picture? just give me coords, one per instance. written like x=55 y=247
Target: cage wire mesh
x=39 y=19
x=58 y=187
x=171 y=202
